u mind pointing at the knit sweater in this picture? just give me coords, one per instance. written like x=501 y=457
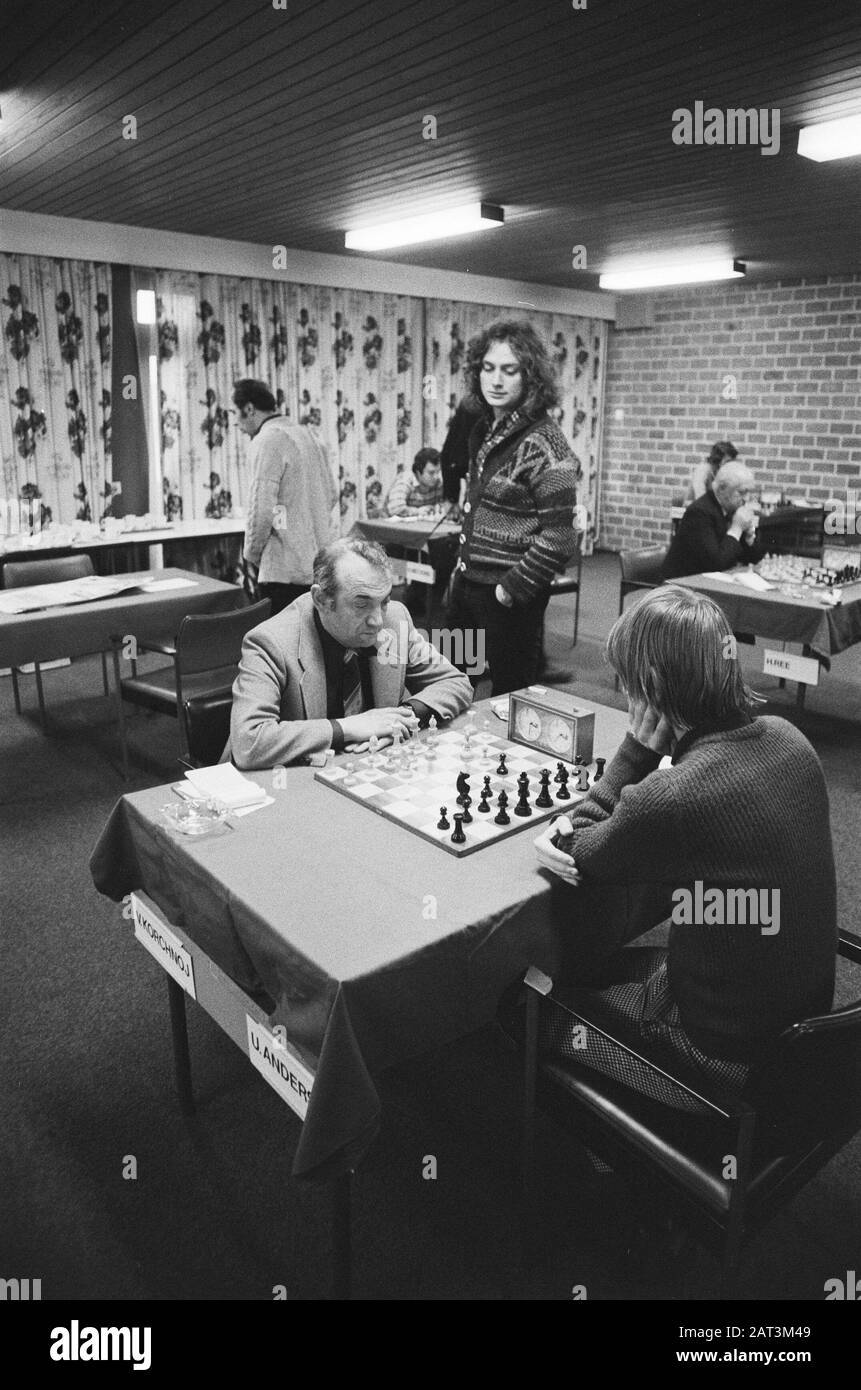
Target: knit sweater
x=518 y=518
x=740 y=808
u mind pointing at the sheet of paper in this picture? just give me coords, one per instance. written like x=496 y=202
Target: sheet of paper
x=224 y=783
x=150 y=585
x=749 y=580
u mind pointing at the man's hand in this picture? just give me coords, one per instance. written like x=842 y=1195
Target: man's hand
x=651 y=729
x=386 y=724
x=503 y=597
x=252 y=571
x=745 y=516
x=554 y=859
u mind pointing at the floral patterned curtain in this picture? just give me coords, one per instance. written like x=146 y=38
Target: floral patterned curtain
x=578 y=347
x=346 y=362
x=55 y=385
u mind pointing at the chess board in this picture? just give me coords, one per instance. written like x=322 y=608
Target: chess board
x=413 y=798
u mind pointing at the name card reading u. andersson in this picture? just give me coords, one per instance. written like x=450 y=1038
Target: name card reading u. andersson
x=153 y=932
x=281 y=1067
x=791 y=667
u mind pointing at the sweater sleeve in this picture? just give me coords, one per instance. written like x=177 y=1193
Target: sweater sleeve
x=554 y=490
x=627 y=829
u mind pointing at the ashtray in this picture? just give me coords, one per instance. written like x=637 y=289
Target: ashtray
x=195 y=817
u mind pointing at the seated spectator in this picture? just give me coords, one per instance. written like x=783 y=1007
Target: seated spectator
x=418 y=493
x=718 y=531
x=734 y=841
x=703 y=474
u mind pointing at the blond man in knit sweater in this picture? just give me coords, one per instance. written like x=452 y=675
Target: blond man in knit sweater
x=733 y=837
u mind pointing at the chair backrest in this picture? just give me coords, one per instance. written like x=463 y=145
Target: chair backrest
x=206 y=641
x=643 y=566
x=207 y=728
x=20 y=574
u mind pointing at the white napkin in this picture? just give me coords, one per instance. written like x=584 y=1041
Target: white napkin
x=225 y=784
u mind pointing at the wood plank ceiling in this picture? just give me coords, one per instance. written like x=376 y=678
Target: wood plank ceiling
x=288 y=126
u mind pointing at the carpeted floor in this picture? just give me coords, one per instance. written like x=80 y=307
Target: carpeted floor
x=87 y=1077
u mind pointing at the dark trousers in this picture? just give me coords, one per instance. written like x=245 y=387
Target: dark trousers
x=512 y=636
x=280 y=595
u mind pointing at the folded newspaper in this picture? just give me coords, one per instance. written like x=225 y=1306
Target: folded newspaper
x=223 y=783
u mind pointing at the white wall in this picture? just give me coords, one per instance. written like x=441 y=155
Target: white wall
x=38 y=235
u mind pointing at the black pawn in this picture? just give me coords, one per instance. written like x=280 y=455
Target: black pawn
x=502 y=770
x=467 y=816
x=523 y=807
x=484 y=803
x=563 y=793
x=561 y=774
x=599 y=772
x=458 y=838
x=502 y=817
x=443 y=823
x=544 y=798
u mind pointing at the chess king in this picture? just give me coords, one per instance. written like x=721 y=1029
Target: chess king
x=310 y=679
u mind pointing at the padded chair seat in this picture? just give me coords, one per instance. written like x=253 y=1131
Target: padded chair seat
x=157 y=689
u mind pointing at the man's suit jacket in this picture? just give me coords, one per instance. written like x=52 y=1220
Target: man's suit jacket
x=701 y=542
x=279 y=696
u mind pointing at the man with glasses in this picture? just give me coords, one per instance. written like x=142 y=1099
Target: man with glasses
x=291 y=498
x=718 y=531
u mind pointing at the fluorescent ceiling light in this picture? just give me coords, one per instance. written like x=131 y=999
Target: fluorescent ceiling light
x=145 y=312
x=831 y=140
x=433 y=226
x=685 y=273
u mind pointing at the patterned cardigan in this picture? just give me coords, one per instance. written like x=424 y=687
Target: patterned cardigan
x=518 y=526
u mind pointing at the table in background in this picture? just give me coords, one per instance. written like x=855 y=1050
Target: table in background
x=192 y=545
x=783 y=531
x=410 y=534
x=367 y=943
x=84 y=628
x=822 y=631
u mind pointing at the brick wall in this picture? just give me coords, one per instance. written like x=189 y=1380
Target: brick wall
x=794 y=348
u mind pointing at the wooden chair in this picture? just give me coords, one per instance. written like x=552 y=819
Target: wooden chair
x=639 y=569
x=20 y=574
x=801 y=1105
x=197 y=688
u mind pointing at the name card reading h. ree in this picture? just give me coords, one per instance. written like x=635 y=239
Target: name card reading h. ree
x=281 y=1067
x=153 y=932
x=804 y=669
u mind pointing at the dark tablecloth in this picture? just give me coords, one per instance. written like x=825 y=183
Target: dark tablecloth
x=368 y=944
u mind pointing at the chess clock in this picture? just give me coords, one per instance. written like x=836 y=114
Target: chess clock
x=553 y=722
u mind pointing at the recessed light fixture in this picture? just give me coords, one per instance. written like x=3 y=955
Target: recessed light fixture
x=685 y=273
x=831 y=140
x=432 y=226
x=145 y=307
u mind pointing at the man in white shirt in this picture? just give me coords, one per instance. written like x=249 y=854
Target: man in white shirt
x=291 y=500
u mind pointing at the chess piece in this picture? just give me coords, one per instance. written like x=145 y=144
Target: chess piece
x=467 y=816
x=484 y=803
x=523 y=807
x=458 y=837
x=501 y=817
x=582 y=780
x=443 y=823
x=561 y=774
x=600 y=764
x=563 y=793
x=462 y=787
x=502 y=770
x=544 y=798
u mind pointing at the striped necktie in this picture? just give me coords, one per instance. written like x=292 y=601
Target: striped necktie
x=351 y=685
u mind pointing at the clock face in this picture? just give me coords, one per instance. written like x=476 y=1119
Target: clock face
x=558 y=735
x=528 y=723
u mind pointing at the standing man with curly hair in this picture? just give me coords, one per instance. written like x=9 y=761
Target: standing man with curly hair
x=518 y=526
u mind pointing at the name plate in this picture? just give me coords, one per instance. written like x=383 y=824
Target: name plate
x=792 y=668
x=418 y=573
x=154 y=932
x=281 y=1067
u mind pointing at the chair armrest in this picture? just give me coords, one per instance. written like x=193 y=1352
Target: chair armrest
x=849 y=946
x=711 y=1094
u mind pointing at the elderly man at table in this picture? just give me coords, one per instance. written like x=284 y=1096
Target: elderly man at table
x=337 y=667
x=718 y=531
x=734 y=840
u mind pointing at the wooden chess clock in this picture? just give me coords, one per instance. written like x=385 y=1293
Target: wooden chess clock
x=552 y=722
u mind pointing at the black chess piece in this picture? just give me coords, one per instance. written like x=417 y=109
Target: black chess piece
x=600 y=764
x=502 y=770
x=458 y=838
x=484 y=803
x=563 y=793
x=462 y=787
x=523 y=807
x=560 y=773
x=544 y=798
x=501 y=817
x=467 y=814
x=443 y=823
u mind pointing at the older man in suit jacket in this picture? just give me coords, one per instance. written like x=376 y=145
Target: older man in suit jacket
x=337 y=667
